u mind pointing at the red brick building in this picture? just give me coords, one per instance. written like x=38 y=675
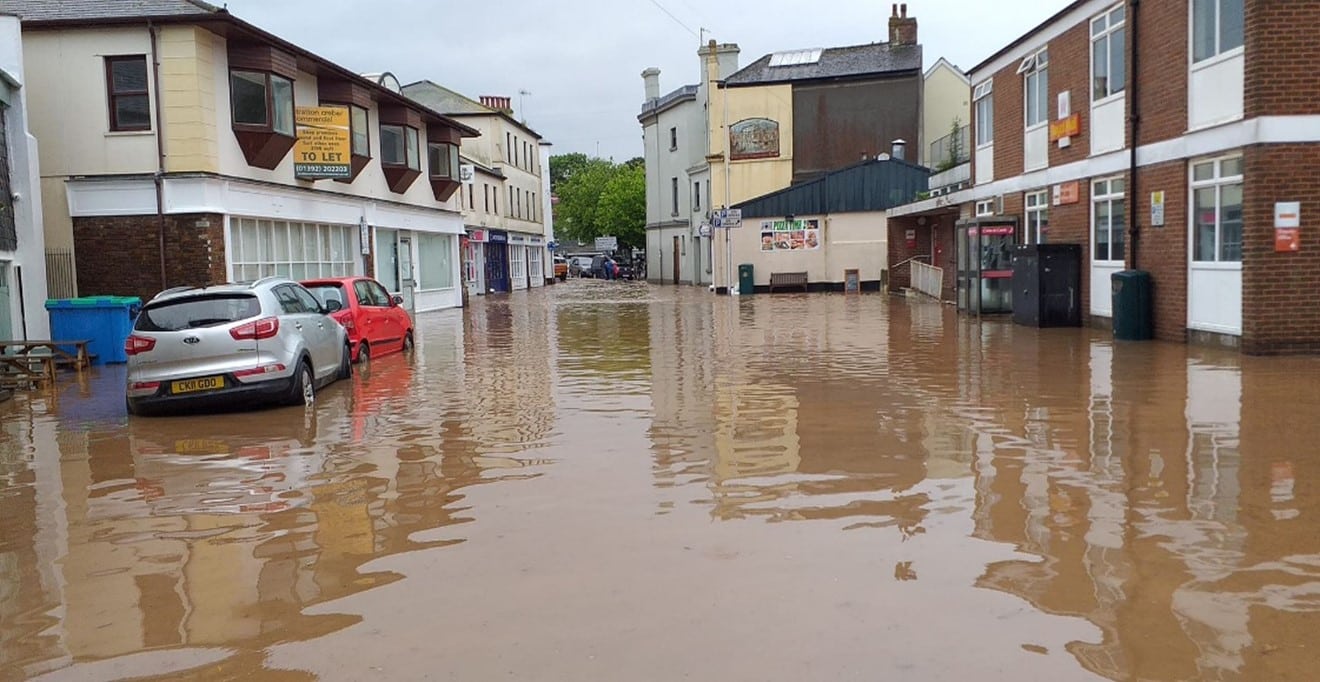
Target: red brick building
x=1222 y=98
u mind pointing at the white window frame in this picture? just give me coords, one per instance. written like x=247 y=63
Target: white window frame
x=1036 y=66
x=1110 y=26
x=1037 y=213
x=517 y=264
x=985 y=125
x=1109 y=196
x=535 y=264
x=332 y=249
x=1219 y=54
x=985 y=208
x=1217 y=181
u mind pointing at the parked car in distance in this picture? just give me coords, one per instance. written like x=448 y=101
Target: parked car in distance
x=580 y=266
x=376 y=322
x=626 y=270
x=561 y=268
x=232 y=345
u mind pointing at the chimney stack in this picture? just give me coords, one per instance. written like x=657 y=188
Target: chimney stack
x=504 y=104
x=902 y=28
x=651 y=79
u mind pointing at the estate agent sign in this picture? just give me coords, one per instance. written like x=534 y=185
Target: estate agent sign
x=323 y=147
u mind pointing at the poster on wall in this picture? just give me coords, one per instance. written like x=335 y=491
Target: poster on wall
x=754 y=138
x=323 y=146
x=790 y=235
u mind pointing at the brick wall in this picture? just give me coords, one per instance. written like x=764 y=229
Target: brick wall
x=1163 y=86
x=1279 y=311
x=1283 y=49
x=1163 y=250
x=1009 y=123
x=942 y=255
x=1070 y=70
x=120 y=255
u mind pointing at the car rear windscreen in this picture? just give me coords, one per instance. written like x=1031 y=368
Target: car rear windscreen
x=330 y=291
x=197 y=311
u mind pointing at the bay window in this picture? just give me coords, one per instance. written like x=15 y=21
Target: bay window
x=262 y=101
x=398 y=146
x=443 y=158
x=361 y=136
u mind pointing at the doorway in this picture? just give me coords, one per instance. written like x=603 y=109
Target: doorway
x=406 y=281
x=6 y=304
x=497 y=268
x=676 y=261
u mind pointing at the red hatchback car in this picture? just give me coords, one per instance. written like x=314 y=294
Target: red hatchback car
x=376 y=322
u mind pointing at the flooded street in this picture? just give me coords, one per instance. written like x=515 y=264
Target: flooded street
x=611 y=481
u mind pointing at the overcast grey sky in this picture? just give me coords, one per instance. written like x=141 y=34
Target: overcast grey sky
x=581 y=60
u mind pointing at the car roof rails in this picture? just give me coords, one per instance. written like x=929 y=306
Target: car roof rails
x=174 y=290
x=268 y=278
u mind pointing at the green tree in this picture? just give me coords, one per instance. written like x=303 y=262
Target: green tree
x=621 y=210
x=579 y=196
x=563 y=166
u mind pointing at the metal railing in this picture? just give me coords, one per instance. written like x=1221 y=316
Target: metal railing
x=950 y=150
x=927 y=279
x=61 y=279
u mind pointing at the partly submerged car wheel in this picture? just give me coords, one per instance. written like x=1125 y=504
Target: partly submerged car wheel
x=346 y=364
x=408 y=342
x=302 y=390
x=364 y=353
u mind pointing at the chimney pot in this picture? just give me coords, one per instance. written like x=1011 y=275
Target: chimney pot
x=895 y=12
x=902 y=10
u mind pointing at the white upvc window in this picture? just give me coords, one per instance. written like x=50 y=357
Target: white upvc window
x=1108 y=219
x=263 y=248
x=517 y=263
x=534 y=262
x=1217 y=210
x=985 y=208
x=1108 y=54
x=1217 y=28
x=1038 y=217
x=985 y=113
x=1036 y=88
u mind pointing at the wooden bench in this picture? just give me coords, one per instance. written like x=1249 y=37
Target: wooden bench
x=788 y=280
x=35 y=362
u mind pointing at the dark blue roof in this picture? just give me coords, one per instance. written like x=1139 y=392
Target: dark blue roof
x=873 y=185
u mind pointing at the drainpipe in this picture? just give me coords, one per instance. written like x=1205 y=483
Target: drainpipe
x=160 y=154
x=1134 y=125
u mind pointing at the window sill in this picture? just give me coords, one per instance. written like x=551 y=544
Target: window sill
x=1220 y=266
x=986 y=145
x=1115 y=264
x=130 y=133
x=1215 y=124
x=1209 y=62
x=1037 y=126
x=1115 y=97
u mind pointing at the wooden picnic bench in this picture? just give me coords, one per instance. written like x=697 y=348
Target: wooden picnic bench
x=36 y=361
x=788 y=280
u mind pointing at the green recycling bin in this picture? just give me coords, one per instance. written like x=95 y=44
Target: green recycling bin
x=1132 y=305
x=746 y=279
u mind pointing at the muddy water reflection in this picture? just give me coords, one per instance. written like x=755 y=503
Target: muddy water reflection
x=604 y=481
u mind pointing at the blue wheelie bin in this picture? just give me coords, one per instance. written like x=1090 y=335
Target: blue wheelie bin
x=105 y=321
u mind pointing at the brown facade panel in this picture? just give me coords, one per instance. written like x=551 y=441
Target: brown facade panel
x=338 y=91
x=263 y=58
x=120 y=255
x=1010 y=124
x=1070 y=71
x=1279 y=311
x=836 y=124
x=1283 y=49
x=1163 y=251
x=1071 y=224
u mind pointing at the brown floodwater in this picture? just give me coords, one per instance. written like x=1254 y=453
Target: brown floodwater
x=613 y=481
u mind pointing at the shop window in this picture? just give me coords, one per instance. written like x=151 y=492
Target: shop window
x=435 y=253
x=126 y=84
x=265 y=248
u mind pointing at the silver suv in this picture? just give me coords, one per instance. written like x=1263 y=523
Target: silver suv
x=232 y=344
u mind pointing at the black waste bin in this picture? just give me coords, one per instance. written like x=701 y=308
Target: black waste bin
x=1047 y=285
x=1132 y=305
x=746 y=280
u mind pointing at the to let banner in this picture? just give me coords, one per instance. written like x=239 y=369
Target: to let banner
x=324 y=144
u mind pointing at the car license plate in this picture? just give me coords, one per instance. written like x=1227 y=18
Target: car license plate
x=194 y=385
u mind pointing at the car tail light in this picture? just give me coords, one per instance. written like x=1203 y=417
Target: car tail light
x=143 y=388
x=264 y=328
x=138 y=344
x=264 y=369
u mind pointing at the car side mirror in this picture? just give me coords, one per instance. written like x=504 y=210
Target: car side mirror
x=333 y=306
x=396 y=300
